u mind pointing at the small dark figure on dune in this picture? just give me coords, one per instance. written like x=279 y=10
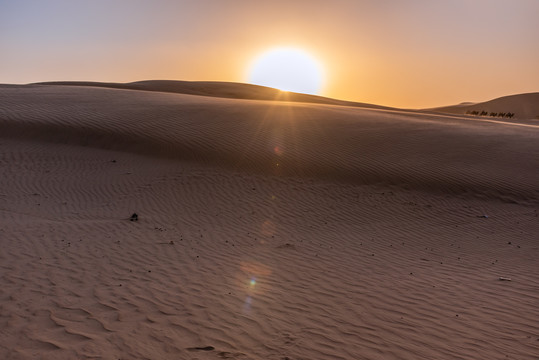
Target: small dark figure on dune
x=134 y=217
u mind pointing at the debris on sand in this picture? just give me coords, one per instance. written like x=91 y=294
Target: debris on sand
x=134 y=217
x=286 y=246
x=201 y=348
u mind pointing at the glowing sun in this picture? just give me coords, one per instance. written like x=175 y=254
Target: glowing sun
x=287 y=69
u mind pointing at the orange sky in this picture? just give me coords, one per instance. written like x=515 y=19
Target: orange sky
x=408 y=53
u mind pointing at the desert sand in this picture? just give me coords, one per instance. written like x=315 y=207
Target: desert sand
x=265 y=229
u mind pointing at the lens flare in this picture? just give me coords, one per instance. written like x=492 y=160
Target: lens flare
x=278 y=150
x=247 y=304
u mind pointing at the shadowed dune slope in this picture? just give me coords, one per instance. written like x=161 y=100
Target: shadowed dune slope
x=362 y=146
x=524 y=106
x=218 y=89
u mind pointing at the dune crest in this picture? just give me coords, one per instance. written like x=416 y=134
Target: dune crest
x=218 y=89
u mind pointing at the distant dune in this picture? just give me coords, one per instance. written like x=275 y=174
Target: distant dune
x=523 y=106
x=264 y=230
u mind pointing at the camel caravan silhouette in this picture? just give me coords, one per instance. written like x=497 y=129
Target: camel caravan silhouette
x=508 y=115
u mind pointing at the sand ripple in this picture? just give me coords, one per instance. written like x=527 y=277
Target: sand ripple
x=360 y=247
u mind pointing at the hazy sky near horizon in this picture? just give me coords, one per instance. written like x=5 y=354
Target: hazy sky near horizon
x=404 y=53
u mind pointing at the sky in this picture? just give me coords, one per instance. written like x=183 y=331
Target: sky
x=402 y=53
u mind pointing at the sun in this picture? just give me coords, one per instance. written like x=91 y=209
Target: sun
x=287 y=69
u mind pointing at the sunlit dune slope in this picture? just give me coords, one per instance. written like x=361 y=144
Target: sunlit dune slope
x=362 y=146
x=523 y=106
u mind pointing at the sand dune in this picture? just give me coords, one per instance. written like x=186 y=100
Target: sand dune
x=523 y=106
x=266 y=230
x=218 y=89
x=278 y=138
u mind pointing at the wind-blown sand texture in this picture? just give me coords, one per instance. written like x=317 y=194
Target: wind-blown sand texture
x=266 y=230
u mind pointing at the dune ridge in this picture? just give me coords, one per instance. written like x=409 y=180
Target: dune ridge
x=356 y=145
x=218 y=89
x=266 y=230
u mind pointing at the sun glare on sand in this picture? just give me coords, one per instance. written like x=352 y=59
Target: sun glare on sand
x=287 y=69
